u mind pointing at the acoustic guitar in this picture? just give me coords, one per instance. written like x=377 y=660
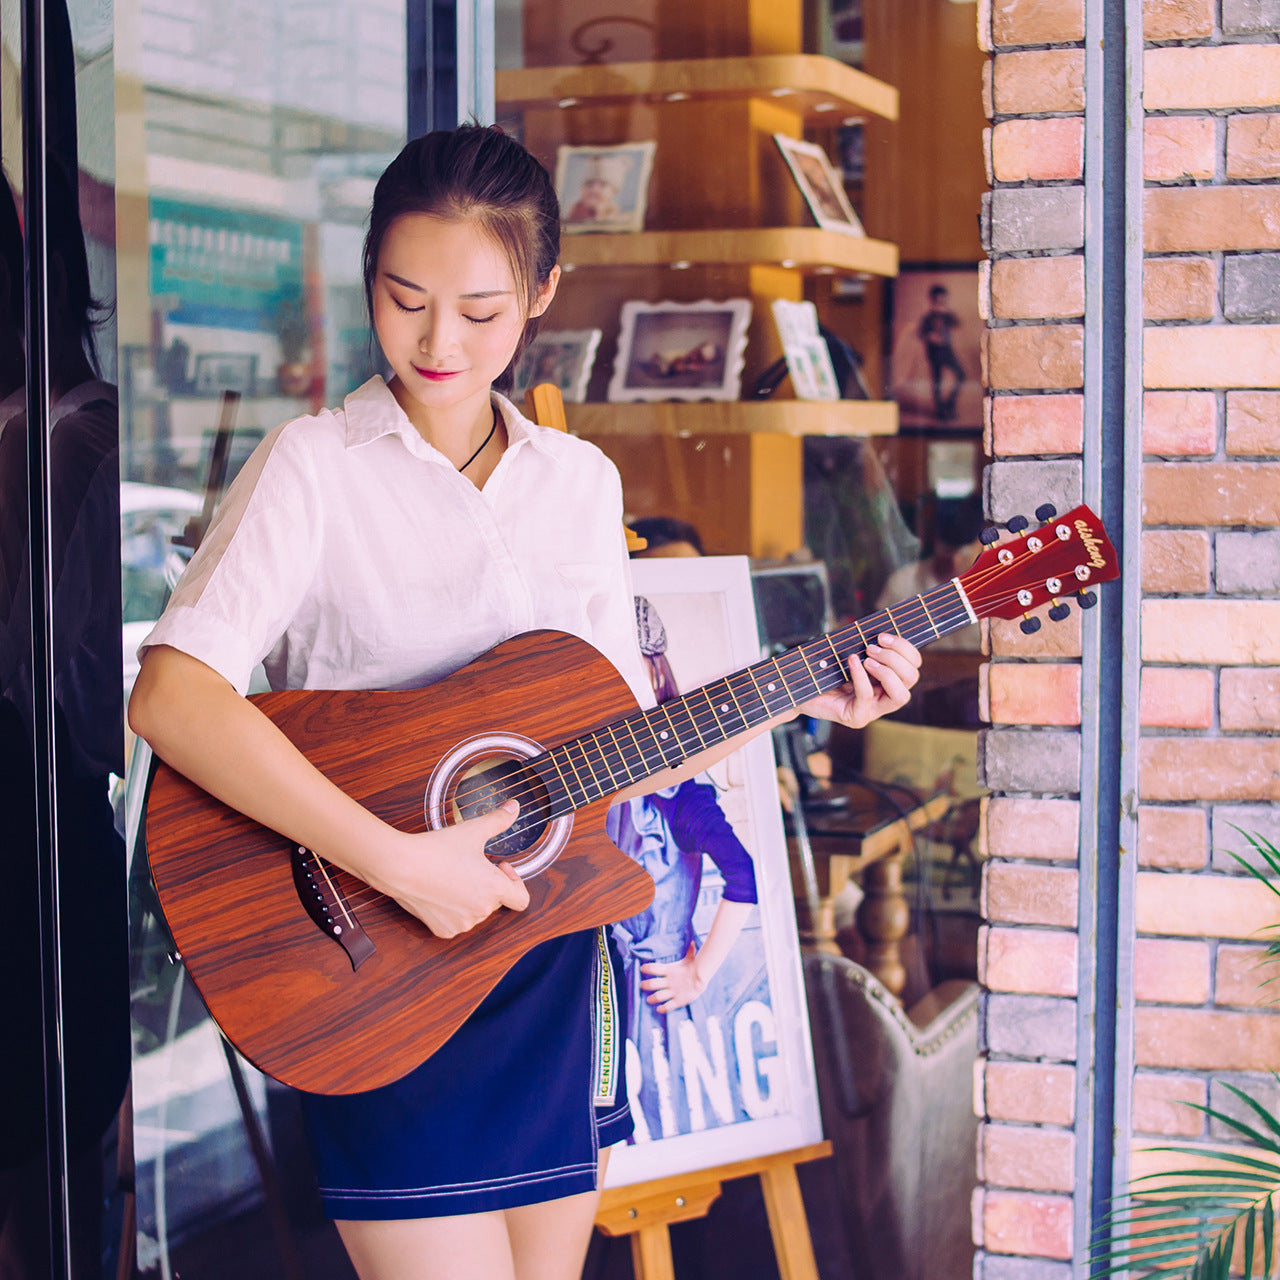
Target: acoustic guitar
x=331 y=987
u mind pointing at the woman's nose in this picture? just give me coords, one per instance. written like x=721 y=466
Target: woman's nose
x=438 y=336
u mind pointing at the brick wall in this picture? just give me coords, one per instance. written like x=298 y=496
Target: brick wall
x=1210 y=564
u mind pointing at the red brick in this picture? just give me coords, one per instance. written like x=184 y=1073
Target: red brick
x=1250 y=699
x=1038 y=288
x=1242 y=977
x=1177 y=697
x=1212 y=493
x=1172 y=837
x=1253 y=422
x=1179 y=422
x=1043 y=357
x=1053 y=640
x=1206 y=1040
x=1212 y=355
x=1028 y=1159
x=1176 y=19
x=1014 y=893
x=1171 y=972
x=1030 y=1092
x=1176 y=562
x=1201 y=219
x=1212 y=632
x=1016 y=22
x=1036 y=81
x=1211 y=78
x=1203 y=906
x=1038 y=150
x=1253 y=146
x=1033 y=693
x=1028 y=961
x=1041 y=829
x=1209 y=769
x=1036 y=424
x=1018 y=1222
x=1165 y=1104
x=1179 y=288
x=1178 y=147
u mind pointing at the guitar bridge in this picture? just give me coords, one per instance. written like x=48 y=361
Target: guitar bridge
x=323 y=902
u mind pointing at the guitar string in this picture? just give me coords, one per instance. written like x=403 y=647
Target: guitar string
x=366 y=894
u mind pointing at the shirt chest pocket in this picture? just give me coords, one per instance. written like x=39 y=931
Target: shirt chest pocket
x=580 y=588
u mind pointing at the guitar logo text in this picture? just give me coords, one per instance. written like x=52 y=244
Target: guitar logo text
x=1091 y=544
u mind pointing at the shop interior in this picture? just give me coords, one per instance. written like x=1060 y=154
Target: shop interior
x=836 y=443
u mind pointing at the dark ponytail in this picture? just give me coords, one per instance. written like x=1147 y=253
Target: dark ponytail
x=474 y=172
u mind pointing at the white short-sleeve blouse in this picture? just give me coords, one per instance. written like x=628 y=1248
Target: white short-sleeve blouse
x=351 y=554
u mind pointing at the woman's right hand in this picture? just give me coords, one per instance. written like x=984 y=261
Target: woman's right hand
x=444 y=878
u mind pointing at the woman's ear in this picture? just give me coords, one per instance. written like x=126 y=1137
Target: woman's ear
x=547 y=292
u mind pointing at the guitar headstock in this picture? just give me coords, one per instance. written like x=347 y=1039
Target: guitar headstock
x=1061 y=558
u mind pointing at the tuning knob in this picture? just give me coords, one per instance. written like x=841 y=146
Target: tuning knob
x=1029 y=626
x=1060 y=610
x=989 y=535
x=1087 y=599
x=1017 y=524
x=1045 y=512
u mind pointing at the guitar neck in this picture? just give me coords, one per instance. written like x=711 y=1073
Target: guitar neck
x=630 y=750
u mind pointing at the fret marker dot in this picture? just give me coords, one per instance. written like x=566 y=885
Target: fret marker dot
x=823 y=664
x=663 y=734
x=771 y=687
x=724 y=706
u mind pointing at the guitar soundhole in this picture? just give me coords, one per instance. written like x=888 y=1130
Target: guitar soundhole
x=486 y=785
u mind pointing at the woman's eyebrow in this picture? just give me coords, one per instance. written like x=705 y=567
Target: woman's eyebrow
x=465 y=297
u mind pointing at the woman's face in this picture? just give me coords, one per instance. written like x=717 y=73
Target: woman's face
x=447 y=309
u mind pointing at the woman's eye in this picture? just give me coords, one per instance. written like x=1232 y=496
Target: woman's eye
x=482 y=319
x=401 y=304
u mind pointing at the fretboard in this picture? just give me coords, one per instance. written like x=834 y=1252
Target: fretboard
x=627 y=751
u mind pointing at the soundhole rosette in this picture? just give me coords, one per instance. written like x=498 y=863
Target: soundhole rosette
x=491 y=749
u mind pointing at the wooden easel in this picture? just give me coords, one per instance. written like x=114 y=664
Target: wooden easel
x=646 y=1211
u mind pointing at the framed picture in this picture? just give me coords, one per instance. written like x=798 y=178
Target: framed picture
x=933 y=333
x=813 y=376
x=228 y=371
x=604 y=188
x=729 y=1075
x=840 y=30
x=563 y=357
x=681 y=350
x=820 y=185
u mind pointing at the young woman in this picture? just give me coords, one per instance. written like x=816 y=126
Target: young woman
x=381 y=545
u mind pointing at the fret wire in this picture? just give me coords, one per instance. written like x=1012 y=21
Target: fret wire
x=728 y=684
x=564 y=782
x=893 y=622
x=786 y=684
x=755 y=684
x=643 y=759
x=586 y=760
x=622 y=755
x=857 y=626
x=665 y=708
x=683 y=705
x=568 y=755
x=657 y=740
x=597 y=736
x=594 y=739
x=809 y=668
x=924 y=604
x=763 y=699
x=715 y=715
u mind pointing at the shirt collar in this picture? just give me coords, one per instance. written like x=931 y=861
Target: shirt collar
x=372 y=412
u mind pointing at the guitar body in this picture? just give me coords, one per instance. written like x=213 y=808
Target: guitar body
x=330 y=1017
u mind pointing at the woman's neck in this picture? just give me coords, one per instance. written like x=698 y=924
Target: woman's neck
x=456 y=431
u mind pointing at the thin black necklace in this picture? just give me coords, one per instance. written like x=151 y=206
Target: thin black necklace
x=483 y=442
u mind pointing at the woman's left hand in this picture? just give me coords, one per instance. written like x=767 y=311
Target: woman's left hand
x=878 y=684
x=674 y=985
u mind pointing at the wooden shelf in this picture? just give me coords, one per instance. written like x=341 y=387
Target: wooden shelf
x=823 y=88
x=809 y=248
x=736 y=417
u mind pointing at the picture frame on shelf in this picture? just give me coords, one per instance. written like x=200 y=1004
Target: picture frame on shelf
x=680 y=350
x=813 y=376
x=840 y=31
x=563 y=357
x=932 y=334
x=216 y=372
x=819 y=183
x=730 y=1075
x=604 y=188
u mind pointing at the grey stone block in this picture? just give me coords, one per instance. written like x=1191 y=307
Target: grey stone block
x=984 y=222
x=995 y=1267
x=1247 y=563
x=1263 y=1089
x=1025 y=218
x=1037 y=760
x=1250 y=17
x=1251 y=287
x=1018 y=488
x=1255 y=819
x=1031 y=1027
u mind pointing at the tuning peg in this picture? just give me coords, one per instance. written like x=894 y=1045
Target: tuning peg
x=989 y=535
x=1029 y=626
x=1060 y=610
x=1017 y=524
x=1045 y=512
x=1087 y=599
